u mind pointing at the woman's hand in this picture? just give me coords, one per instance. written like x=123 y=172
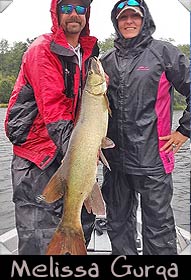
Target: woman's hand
x=174 y=141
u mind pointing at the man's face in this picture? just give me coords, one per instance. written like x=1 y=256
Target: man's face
x=129 y=24
x=72 y=23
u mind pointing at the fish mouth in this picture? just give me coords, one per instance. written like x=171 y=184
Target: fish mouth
x=94 y=65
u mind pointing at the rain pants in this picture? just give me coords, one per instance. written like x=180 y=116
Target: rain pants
x=158 y=230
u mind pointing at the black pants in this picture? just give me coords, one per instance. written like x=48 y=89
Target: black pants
x=158 y=228
x=36 y=221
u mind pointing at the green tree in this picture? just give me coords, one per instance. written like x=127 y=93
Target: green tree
x=4 y=46
x=4 y=49
x=10 y=61
x=6 y=87
x=106 y=44
x=14 y=58
x=185 y=49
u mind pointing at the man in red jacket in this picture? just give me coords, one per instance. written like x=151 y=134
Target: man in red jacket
x=40 y=118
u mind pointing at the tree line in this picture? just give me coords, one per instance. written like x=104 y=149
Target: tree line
x=11 y=57
x=10 y=61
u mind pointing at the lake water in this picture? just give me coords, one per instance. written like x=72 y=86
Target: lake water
x=181 y=177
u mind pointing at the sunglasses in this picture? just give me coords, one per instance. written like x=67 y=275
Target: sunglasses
x=68 y=9
x=129 y=3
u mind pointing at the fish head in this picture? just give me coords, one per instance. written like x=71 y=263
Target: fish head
x=95 y=82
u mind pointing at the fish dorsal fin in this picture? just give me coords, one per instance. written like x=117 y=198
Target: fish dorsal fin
x=95 y=202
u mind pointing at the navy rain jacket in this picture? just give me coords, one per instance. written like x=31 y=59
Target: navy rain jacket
x=143 y=72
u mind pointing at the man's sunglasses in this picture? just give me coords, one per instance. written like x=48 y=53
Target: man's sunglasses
x=129 y=3
x=68 y=9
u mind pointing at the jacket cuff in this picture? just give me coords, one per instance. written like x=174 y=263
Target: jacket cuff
x=183 y=131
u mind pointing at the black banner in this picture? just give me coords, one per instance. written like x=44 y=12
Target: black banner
x=103 y=267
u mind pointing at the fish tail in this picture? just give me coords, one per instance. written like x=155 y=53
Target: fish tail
x=67 y=241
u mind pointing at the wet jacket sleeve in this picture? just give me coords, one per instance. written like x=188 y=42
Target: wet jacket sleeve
x=46 y=78
x=60 y=133
x=178 y=73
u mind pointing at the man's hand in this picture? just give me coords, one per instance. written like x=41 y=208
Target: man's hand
x=174 y=141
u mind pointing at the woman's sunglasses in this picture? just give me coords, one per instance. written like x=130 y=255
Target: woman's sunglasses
x=129 y=3
x=68 y=9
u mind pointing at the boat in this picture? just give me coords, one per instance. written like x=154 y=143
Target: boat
x=99 y=243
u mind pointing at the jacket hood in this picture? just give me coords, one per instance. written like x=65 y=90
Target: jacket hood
x=57 y=30
x=145 y=35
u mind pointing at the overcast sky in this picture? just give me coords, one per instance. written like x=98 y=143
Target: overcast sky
x=29 y=18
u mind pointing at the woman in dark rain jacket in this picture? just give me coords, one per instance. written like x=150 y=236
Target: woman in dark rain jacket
x=142 y=74
x=40 y=118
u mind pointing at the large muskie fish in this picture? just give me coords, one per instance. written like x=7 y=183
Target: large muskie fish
x=75 y=179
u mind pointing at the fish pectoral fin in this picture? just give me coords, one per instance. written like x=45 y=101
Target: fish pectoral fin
x=107 y=143
x=95 y=202
x=55 y=189
x=104 y=160
x=67 y=241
